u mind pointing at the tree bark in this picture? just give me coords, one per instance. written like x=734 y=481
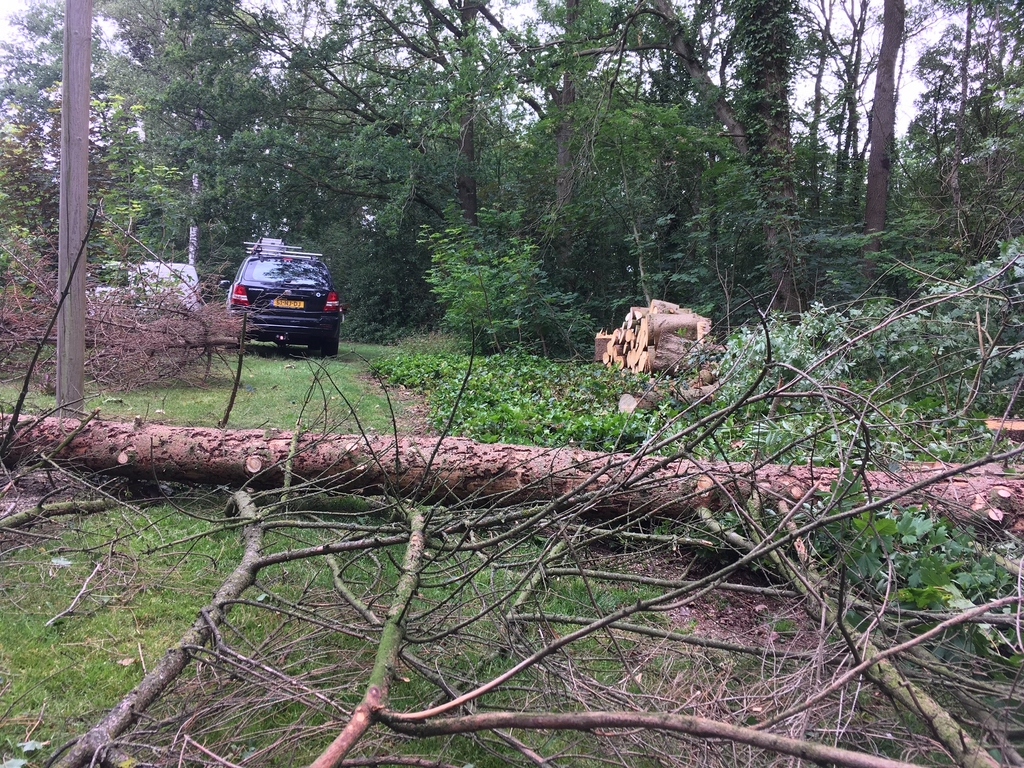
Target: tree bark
x=564 y=99
x=454 y=469
x=657 y=721
x=849 y=167
x=670 y=351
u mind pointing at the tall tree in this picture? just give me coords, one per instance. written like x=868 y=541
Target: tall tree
x=563 y=99
x=466 y=181
x=765 y=32
x=963 y=194
x=961 y=114
x=882 y=131
x=849 y=49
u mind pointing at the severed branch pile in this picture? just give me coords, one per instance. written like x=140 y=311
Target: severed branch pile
x=339 y=600
x=131 y=340
x=357 y=600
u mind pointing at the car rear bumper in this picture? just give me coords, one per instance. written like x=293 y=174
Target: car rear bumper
x=292 y=330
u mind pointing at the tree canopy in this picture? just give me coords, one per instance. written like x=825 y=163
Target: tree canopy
x=711 y=154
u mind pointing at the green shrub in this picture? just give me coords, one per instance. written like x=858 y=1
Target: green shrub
x=955 y=348
x=892 y=382
x=496 y=296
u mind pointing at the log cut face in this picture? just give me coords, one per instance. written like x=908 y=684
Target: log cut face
x=650 y=337
x=454 y=470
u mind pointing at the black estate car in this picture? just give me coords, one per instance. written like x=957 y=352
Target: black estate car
x=289 y=297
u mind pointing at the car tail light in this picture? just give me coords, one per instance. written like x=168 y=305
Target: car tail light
x=239 y=298
x=332 y=304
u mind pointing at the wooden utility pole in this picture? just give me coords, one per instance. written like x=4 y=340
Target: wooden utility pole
x=74 y=205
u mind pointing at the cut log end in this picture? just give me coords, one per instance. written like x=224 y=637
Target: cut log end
x=1008 y=429
x=655 y=339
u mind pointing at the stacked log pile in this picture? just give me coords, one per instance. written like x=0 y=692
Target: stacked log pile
x=652 y=339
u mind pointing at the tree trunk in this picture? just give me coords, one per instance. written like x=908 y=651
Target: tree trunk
x=817 y=115
x=849 y=50
x=193 y=228
x=564 y=100
x=883 y=121
x=765 y=35
x=698 y=72
x=466 y=180
x=961 y=114
x=456 y=469
x=689 y=326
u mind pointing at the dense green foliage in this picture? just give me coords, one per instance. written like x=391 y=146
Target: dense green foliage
x=498 y=295
x=573 y=162
x=878 y=384
x=938 y=564
x=521 y=398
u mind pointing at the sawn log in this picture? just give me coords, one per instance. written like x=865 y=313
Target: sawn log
x=456 y=469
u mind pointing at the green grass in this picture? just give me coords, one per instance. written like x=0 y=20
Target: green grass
x=277 y=389
x=60 y=673
x=59 y=677
x=63 y=671
x=56 y=679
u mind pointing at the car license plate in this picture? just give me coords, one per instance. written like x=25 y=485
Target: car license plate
x=289 y=303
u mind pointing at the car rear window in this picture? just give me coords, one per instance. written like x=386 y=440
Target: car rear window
x=292 y=271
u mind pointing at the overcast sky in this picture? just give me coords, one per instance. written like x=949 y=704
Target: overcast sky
x=8 y=7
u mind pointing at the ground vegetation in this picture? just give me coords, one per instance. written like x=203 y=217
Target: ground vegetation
x=819 y=561
x=306 y=593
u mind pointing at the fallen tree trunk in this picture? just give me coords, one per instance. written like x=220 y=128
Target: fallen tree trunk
x=458 y=469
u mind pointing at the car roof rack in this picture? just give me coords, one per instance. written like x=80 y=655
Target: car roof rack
x=275 y=247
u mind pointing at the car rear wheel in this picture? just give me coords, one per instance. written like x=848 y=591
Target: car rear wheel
x=328 y=348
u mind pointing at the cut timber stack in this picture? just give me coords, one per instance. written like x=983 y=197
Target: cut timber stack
x=652 y=339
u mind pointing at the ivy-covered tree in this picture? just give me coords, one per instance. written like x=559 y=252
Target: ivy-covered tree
x=765 y=32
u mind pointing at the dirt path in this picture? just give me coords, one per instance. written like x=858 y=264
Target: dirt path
x=410 y=409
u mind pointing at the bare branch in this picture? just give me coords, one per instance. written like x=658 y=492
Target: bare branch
x=605 y=721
